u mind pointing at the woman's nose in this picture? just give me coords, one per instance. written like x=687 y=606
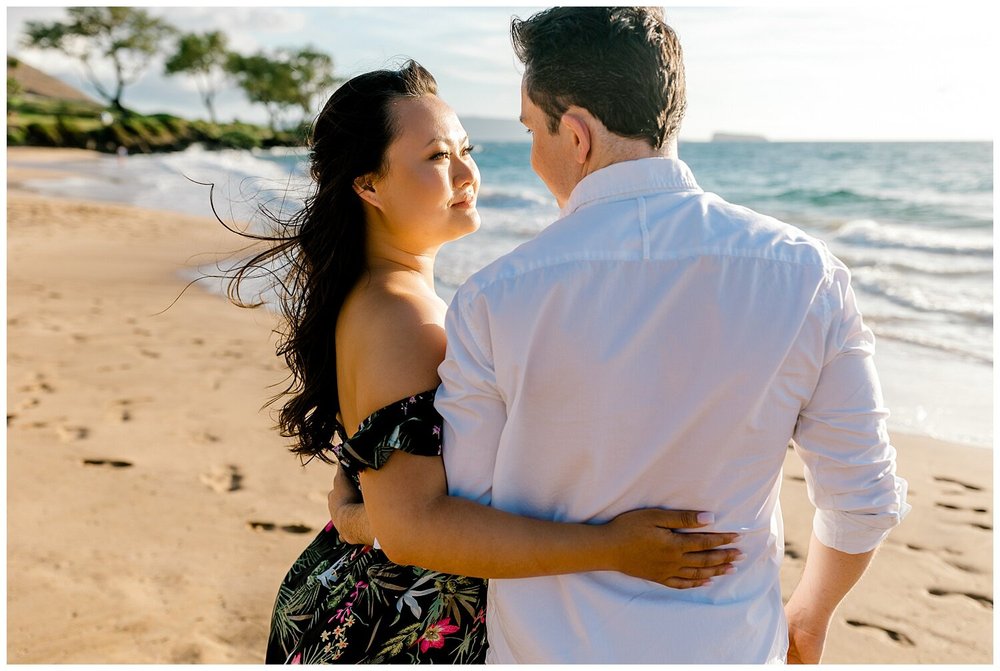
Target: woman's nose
x=465 y=172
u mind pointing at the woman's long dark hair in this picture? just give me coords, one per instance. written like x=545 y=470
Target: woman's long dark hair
x=321 y=248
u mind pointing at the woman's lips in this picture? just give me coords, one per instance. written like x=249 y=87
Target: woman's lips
x=467 y=201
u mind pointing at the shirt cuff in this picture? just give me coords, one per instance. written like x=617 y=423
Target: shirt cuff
x=855 y=533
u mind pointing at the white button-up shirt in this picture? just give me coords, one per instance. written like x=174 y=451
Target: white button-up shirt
x=658 y=347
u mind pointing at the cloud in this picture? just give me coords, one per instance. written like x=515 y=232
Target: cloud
x=264 y=20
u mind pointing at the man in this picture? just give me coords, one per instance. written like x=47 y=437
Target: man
x=657 y=346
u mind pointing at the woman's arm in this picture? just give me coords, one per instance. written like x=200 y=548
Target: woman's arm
x=418 y=523
x=454 y=535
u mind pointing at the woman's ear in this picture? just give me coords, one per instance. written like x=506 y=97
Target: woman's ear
x=364 y=187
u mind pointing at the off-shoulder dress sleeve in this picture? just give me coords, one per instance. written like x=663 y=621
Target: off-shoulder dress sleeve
x=411 y=425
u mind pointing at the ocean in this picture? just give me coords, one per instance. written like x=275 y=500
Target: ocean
x=913 y=221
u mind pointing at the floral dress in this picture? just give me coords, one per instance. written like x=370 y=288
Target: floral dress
x=343 y=603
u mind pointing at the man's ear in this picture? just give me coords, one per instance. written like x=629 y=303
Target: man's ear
x=364 y=187
x=581 y=134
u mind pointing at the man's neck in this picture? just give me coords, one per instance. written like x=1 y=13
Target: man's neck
x=623 y=150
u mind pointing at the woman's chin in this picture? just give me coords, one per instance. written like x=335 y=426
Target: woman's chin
x=469 y=223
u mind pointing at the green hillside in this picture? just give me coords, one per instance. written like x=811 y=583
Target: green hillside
x=45 y=112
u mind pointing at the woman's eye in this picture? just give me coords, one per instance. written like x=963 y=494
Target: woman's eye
x=447 y=154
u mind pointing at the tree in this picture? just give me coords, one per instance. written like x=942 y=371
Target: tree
x=14 y=88
x=127 y=36
x=268 y=81
x=204 y=58
x=313 y=71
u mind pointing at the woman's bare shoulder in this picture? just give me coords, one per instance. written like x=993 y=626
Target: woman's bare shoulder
x=392 y=342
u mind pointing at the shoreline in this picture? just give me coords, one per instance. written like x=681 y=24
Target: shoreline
x=944 y=394
x=152 y=508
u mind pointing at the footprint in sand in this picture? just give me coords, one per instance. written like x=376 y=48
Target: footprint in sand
x=791 y=552
x=963 y=567
x=205 y=436
x=982 y=600
x=952 y=506
x=897 y=636
x=271 y=526
x=69 y=434
x=121 y=409
x=921 y=548
x=223 y=479
x=113 y=463
x=953 y=481
x=30 y=403
x=40 y=384
x=186 y=654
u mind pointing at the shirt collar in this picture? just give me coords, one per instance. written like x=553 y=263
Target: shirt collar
x=631 y=178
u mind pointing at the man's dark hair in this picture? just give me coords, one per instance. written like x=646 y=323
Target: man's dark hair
x=622 y=64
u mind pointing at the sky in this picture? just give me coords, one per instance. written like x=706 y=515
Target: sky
x=860 y=71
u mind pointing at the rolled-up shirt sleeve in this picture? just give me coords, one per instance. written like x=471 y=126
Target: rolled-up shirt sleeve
x=841 y=435
x=469 y=401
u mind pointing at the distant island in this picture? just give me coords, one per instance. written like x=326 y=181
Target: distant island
x=484 y=129
x=737 y=137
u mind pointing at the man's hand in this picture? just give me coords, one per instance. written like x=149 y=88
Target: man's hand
x=647 y=545
x=805 y=641
x=826 y=579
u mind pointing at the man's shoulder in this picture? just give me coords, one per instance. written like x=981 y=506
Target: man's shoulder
x=533 y=254
x=748 y=232
x=486 y=278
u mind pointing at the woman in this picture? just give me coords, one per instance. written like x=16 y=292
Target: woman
x=394 y=181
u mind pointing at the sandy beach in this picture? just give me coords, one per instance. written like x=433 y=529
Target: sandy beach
x=152 y=510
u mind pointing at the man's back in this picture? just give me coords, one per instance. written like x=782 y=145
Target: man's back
x=657 y=347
